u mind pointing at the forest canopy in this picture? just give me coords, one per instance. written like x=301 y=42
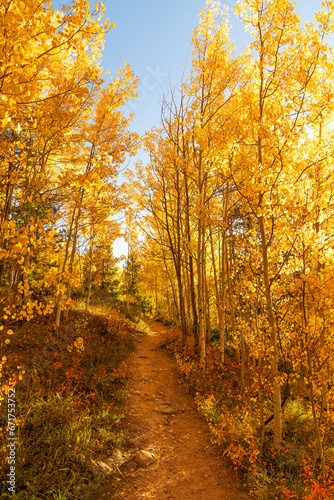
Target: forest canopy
x=230 y=222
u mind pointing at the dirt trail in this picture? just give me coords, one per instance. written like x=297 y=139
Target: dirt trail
x=166 y=423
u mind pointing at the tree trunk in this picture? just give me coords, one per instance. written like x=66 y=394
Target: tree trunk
x=201 y=291
x=186 y=280
x=311 y=379
x=219 y=304
x=90 y=272
x=26 y=294
x=273 y=338
x=191 y=263
x=60 y=295
x=222 y=323
x=73 y=252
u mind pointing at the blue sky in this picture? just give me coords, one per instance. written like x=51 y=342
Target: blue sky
x=155 y=38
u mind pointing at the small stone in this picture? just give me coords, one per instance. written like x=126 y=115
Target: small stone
x=98 y=467
x=168 y=411
x=130 y=466
x=144 y=458
x=117 y=457
x=133 y=443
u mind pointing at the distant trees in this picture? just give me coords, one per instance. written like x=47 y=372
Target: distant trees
x=62 y=139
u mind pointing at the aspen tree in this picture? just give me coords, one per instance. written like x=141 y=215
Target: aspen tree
x=284 y=99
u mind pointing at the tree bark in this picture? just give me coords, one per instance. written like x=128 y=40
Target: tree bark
x=273 y=338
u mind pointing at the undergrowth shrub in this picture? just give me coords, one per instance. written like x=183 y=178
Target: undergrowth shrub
x=69 y=406
x=233 y=417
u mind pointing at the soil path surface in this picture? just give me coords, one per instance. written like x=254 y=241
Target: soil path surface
x=165 y=423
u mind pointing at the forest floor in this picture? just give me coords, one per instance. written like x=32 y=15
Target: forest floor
x=164 y=422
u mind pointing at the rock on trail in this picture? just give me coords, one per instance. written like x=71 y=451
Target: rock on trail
x=173 y=458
